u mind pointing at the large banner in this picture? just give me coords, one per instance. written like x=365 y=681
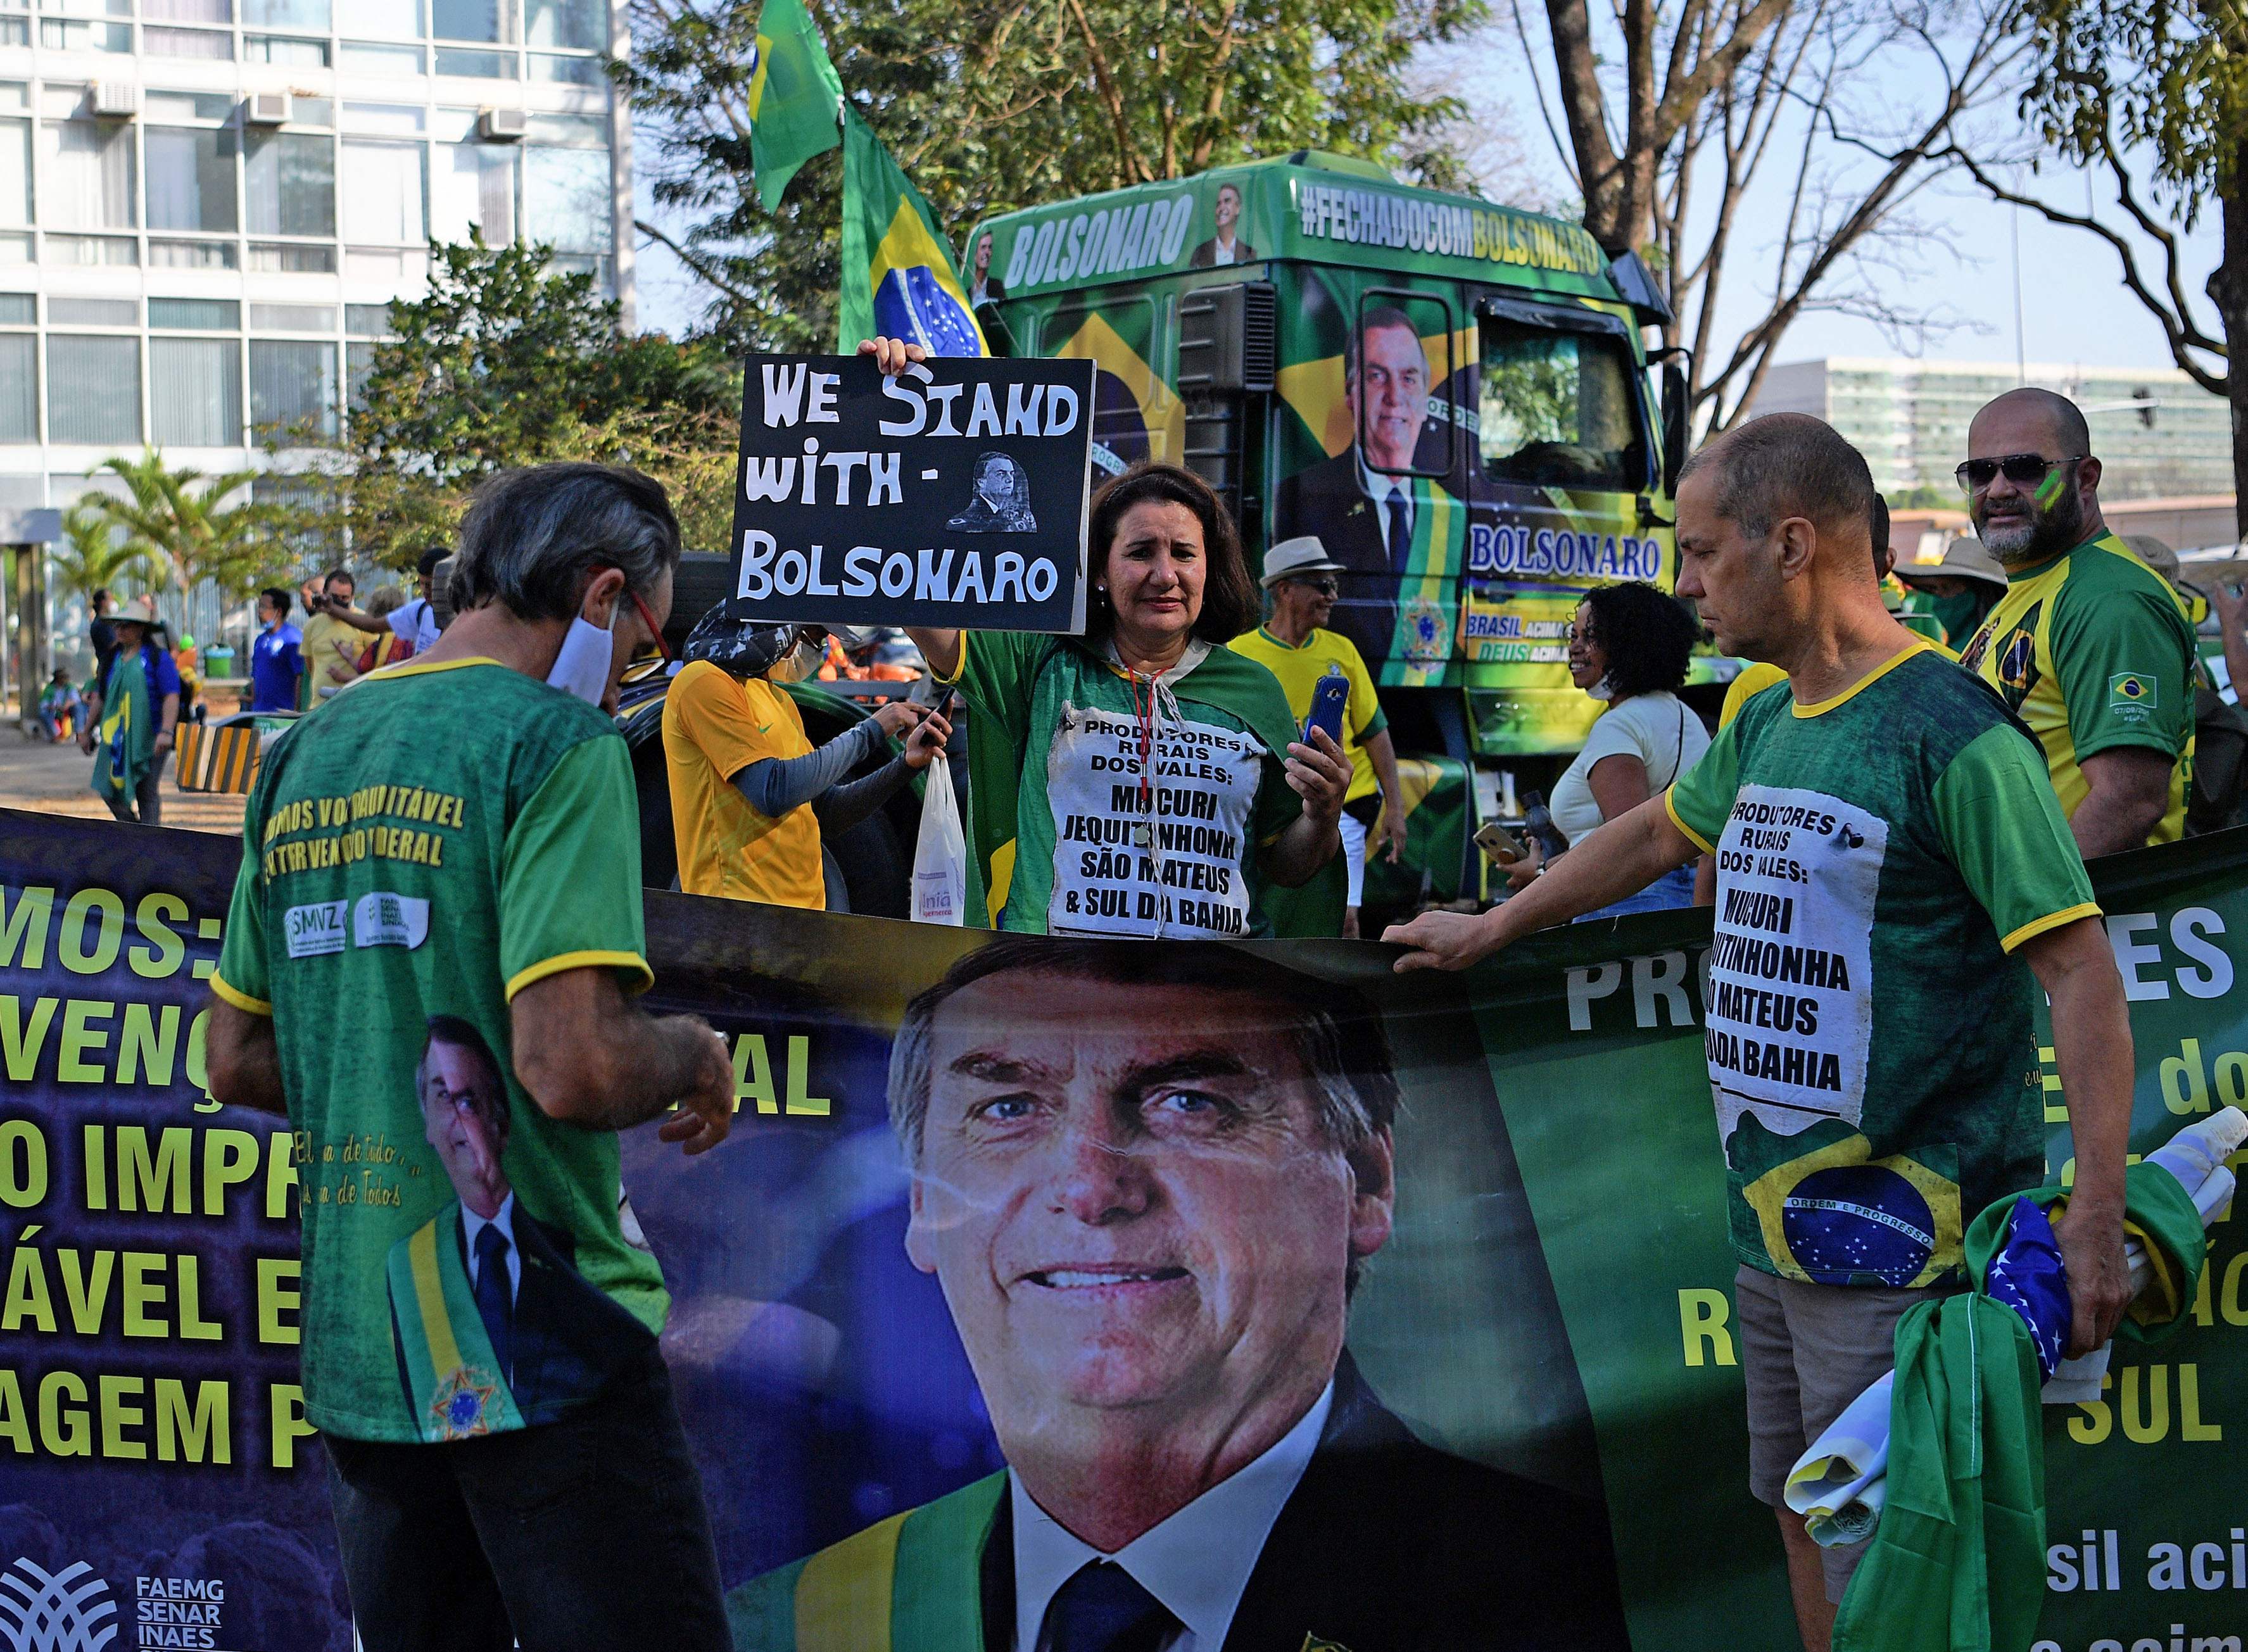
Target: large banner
x=1014 y=1227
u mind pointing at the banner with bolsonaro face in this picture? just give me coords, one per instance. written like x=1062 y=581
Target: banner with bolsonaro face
x=953 y=496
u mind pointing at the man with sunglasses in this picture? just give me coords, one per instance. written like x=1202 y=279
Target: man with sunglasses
x=2089 y=647
x=451 y=846
x=1294 y=644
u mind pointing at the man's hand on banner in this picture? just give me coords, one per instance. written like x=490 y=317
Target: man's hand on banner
x=1440 y=940
x=706 y=1113
x=892 y=356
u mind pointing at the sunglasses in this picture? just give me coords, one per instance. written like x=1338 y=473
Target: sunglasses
x=1326 y=588
x=2023 y=470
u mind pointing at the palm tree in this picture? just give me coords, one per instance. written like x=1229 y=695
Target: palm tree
x=93 y=558
x=180 y=523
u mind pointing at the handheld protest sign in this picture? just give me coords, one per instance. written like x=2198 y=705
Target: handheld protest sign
x=953 y=496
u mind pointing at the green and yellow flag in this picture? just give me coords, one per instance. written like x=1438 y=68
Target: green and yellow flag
x=898 y=276
x=794 y=93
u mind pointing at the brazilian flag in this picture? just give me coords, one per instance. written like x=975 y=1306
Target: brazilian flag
x=794 y=93
x=899 y=279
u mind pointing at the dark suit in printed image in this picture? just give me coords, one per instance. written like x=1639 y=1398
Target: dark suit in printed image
x=1146 y=1180
x=1226 y=247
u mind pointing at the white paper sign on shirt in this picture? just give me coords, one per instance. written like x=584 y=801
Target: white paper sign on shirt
x=1791 y=972
x=1163 y=862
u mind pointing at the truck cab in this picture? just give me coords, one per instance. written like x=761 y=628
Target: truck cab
x=1453 y=395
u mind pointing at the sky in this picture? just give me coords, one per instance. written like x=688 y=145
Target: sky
x=2073 y=307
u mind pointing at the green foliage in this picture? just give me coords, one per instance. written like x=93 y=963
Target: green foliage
x=994 y=105
x=181 y=526
x=93 y=556
x=2171 y=75
x=508 y=362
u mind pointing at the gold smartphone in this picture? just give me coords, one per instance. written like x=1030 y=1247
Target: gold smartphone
x=1502 y=846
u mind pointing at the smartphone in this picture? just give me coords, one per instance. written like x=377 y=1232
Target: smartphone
x=1329 y=695
x=1502 y=846
x=927 y=691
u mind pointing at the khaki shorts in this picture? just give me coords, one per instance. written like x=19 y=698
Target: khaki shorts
x=1807 y=1352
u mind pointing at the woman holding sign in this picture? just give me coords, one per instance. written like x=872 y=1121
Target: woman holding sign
x=1143 y=779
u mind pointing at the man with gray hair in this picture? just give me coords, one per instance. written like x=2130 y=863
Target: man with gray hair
x=448 y=851
x=1146 y=1180
x=1889 y=853
x=2089 y=645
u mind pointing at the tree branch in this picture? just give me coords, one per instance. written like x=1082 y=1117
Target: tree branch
x=694 y=261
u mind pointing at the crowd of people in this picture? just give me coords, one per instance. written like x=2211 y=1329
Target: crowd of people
x=1931 y=783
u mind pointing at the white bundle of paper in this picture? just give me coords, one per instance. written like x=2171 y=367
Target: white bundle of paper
x=1837 y=1486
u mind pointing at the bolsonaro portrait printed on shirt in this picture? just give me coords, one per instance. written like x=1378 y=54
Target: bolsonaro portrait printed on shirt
x=1151 y=1184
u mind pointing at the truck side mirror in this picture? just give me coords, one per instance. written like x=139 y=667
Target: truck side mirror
x=1674 y=425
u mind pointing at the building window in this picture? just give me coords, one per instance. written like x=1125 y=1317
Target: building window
x=93 y=389
x=89 y=170
x=115 y=249
x=64 y=34
x=382 y=197
x=195 y=315
x=19 y=387
x=359 y=56
x=195 y=392
x=291 y=184
x=567 y=199
x=474 y=66
x=292 y=388
x=309 y=15
x=358 y=366
x=470 y=20
x=293 y=317
x=192 y=255
x=284 y=258
x=190 y=172
x=575 y=71
x=210 y=44
x=93 y=312
x=360 y=321
x=15 y=172
x=221 y=12
x=578 y=24
x=473 y=188
x=295 y=54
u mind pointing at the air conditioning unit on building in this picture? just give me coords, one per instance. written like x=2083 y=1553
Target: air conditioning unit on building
x=266 y=109
x=500 y=126
x=116 y=99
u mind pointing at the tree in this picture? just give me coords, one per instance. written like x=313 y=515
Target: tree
x=186 y=526
x=92 y=555
x=1676 y=120
x=2158 y=88
x=508 y=362
x=994 y=105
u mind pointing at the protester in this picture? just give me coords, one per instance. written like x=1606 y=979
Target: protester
x=101 y=635
x=1070 y=844
x=1293 y=644
x=536 y=1487
x=1629 y=647
x=1962 y=587
x=751 y=796
x=1889 y=847
x=389 y=645
x=59 y=706
x=331 y=643
x=413 y=620
x=276 y=660
x=132 y=715
x=2089 y=645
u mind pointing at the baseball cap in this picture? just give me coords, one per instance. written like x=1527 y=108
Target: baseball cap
x=1303 y=554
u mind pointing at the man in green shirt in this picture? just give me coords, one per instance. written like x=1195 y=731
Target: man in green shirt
x=427 y=967
x=1889 y=853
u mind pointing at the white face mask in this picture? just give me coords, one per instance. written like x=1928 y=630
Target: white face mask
x=1604 y=689
x=582 y=667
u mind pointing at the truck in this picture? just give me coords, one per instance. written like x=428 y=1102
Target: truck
x=1456 y=396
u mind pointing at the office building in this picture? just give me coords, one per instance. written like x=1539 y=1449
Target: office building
x=1910 y=418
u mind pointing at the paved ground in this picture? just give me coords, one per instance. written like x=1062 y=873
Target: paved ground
x=53 y=780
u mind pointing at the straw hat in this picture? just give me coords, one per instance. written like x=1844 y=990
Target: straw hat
x=1966 y=559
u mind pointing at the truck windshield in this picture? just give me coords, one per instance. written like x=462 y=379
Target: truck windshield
x=1557 y=409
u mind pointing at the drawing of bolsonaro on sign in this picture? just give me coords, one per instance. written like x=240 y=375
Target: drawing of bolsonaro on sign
x=953 y=496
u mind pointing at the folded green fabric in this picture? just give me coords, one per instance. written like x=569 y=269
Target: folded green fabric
x=1957 y=1562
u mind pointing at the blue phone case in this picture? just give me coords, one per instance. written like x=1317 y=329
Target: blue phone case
x=1329 y=695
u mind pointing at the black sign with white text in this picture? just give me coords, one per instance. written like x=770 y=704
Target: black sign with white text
x=953 y=496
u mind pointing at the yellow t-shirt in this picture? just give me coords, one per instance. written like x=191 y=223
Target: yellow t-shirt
x=1300 y=669
x=317 y=649
x=1753 y=679
x=715 y=727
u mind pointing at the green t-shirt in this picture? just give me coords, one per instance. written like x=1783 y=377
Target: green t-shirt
x=1879 y=856
x=416 y=851
x=1075 y=833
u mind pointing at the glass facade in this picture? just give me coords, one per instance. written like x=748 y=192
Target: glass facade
x=206 y=206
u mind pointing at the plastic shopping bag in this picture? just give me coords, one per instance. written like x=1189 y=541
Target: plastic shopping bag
x=940 y=874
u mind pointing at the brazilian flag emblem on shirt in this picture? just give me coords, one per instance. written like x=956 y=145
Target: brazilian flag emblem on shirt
x=2127 y=689
x=898 y=276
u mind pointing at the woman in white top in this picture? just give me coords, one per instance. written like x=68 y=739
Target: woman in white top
x=1628 y=647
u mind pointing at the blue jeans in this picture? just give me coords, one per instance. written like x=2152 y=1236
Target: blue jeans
x=1673 y=888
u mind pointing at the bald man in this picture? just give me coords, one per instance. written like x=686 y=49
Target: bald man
x=1889 y=856
x=2089 y=647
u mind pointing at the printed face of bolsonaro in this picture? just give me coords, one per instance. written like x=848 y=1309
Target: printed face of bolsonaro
x=1128 y=1197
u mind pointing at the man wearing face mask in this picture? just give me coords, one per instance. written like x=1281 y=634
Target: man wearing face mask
x=751 y=794
x=453 y=844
